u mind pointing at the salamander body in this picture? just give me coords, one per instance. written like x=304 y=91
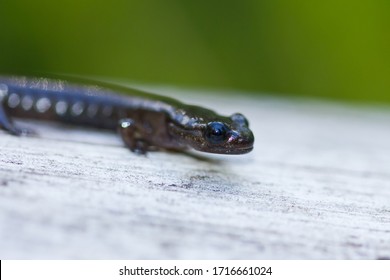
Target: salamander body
x=145 y=121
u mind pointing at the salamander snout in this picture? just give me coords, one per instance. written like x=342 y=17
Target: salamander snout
x=241 y=138
x=240 y=141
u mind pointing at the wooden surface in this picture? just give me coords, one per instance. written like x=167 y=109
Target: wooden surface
x=316 y=186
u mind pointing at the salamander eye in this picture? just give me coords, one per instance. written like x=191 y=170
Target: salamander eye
x=216 y=132
x=239 y=118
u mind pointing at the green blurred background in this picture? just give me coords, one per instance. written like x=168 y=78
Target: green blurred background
x=328 y=49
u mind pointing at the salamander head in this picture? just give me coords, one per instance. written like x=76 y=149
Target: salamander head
x=220 y=135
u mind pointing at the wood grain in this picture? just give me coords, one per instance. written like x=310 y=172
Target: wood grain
x=316 y=186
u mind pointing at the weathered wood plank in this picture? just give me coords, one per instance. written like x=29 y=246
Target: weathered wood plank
x=317 y=186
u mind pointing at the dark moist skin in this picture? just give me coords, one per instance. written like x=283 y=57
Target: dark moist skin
x=146 y=122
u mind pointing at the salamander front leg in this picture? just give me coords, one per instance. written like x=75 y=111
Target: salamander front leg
x=7 y=125
x=132 y=136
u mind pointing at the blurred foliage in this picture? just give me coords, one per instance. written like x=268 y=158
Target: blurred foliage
x=332 y=49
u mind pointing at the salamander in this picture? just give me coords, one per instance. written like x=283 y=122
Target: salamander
x=146 y=122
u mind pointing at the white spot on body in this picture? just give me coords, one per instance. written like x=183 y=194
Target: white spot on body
x=3 y=91
x=43 y=104
x=27 y=102
x=13 y=100
x=61 y=107
x=77 y=109
x=92 y=110
x=185 y=120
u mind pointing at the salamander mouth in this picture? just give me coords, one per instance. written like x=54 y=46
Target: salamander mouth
x=242 y=150
x=230 y=151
